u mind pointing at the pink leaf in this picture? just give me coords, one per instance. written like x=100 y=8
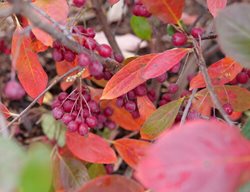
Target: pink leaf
x=215 y=5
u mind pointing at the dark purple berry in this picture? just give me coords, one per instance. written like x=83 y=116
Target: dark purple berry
x=161 y=78
x=110 y=124
x=102 y=118
x=135 y=114
x=108 y=111
x=130 y=106
x=96 y=68
x=173 y=88
x=94 y=107
x=141 y=90
x=118 y=57
x=90 y=43
x=91 y=121
x=69 y=56
x=57 y=55
x=68 y=105
x=83 y=60
x=119 y=102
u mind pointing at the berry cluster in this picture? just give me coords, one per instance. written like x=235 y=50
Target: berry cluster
x=80 y=113
x=140 y=10
x=241 y=78
x=13 y=90
x=86 y=37
x=180 y=39
x=129 y=100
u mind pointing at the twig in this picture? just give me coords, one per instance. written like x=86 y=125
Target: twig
x=209 y=36
x=26 y=10
x=203 y=69
x=58 y=79
x=106 y=29
x=185 y=113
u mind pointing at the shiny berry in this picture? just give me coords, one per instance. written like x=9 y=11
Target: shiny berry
x=90 y=43
x=130 y=106
x=242 y=77
x=57 y=113
x=83 y=129
x=66 y=118
x=197 y=32
x=179 y=39
x=72 y=126
x=96 y=68
x=118 y=57
x=68 y=105
x=90 y=32
x=83 y=60
x=104 y=50
x=141 y=90
x=79 y=3
x=228 y=108
x=91 y=121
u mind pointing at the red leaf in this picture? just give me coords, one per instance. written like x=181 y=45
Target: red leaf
x=163 y=62
x=112 y=2
x=145 y=107
x=237 y=96
x=127 y=78
x=169 y=11
x=221 y=72
x=140 y=70
x=131 y=150
x=91 y=148
x=29 y=70
x=197 y=156
x=216 y=5
x=38 y=46
x=56 y=9
x=123 y=118
x=4 y=110
x=112 y=183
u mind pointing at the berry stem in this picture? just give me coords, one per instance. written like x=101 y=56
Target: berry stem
x=57 y=80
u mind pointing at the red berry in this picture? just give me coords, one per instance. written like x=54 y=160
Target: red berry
x=248 y=73
x=83 y=129
x=130 y=106
x=79 y=3
x=119 y=102
x=173 y=88
x=163 y=102
x=89 y=43
x=242 y=77
x=228 y=108
x=118 y=57
x=69 y=56
x=66 y=118
x=135 y=114
x=141 y=90
x=167 y=97
x=90 y=32
x=108 y=111
x=57 y=113
x=102 y=118
x=234 y=81
x=79 y=29
x=83 y=60
x=136 y=10
x=96 y=68
x=162 y=78
x=55 y=103
x=131 y=95
x=197 y=32
x=94 y=107
x=13 y=90
x=110 y=124
x=107 y=75
x=85 y=113
x=72 y=126
x=104 y=50
x=68 y=105
x=179 y=39
x=176 y=68
x=91 y=121
x=62 y=96
x=56 y=44
x=57 y=55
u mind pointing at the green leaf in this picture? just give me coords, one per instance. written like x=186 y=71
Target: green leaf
x=11 y=162
x=141 y=27
x=70 y=174
x=53 y=129
x=246 y=130
x=233 y=30
x=245 y=187
x=170 y=30
x=37 y=172
x=161 y=119
x=96 y=170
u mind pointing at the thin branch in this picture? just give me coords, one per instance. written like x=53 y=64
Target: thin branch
x=106 y=29
x=185 y=113
x=58 y=79
x=209 y=36
x=26 y=10
x=203 y=69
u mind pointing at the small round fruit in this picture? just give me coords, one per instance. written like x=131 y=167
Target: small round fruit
x=83 y=129
x=108 y=111
x=130 y=106
x=197 y=32
x=79 y=3
x=242 y=77
x=13 y=90
x=57 y=113
x=96 y=68
x=72 y=126
x=91 y=121
x=83 y=60
x=66 y=118
x=179 y=39
x=228 y=108
x=104 y=50
x=173 y=88
x=141 y=90
x=69 y=56
x=57 y=55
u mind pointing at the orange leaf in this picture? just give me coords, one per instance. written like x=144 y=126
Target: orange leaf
x=131 y=150
x=215 y=5
x=237 y=96
x=127 y=78
x=112 y=183
x=140 y=70
x=122 y=117
x=38 y=46
x=221 y=72
x=4 y=110
x=29 y=70
x=145 y=107
x=169 y=11
x=56 y=9
x=91 y=148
